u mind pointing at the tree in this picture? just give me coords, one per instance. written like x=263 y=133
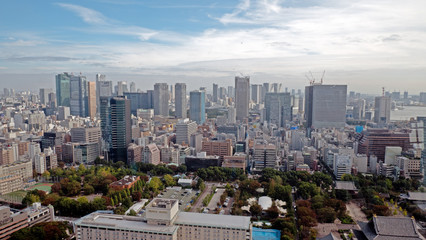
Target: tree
x=306 y=190
x=155 y=184
x=255 y=209
x=182 y=168
x=88 y=189
x=136 y=196
x=168 y=180
x=132 y=213
x=326 y=215
x=273 y=211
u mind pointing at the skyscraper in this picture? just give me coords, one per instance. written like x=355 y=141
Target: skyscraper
x=256 y=91
x=265 y=89
x=44 y=95
x=116 y=126
x=382 y=108
x=242 y=97
x=161 y=99
x=78 y=96
x=180 y=100
x=197 y=108
x=132 y=87
x=91 y=99
x=278 y=108
x=103 y=89
x=121 y=88
x=63 y=89
x=215 y=92
x=325 y=106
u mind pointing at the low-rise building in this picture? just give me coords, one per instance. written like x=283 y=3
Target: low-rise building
x=125 y=183
x=163 y=221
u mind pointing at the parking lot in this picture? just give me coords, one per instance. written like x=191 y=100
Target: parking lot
x=183 y=195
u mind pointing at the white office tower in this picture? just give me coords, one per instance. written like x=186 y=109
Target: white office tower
x=242 y=97
x=382 y=108
x=161 y=99
x=121 y=88
x=184 y=129
x=180 y=100
x=342 y=165
x=232 y=114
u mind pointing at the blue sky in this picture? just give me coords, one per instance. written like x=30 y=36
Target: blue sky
x=359 y=43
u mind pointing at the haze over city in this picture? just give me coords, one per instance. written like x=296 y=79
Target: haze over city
x=358 y=43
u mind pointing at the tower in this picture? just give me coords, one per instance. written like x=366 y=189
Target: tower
x=197 y=106
x=180 y=100
x=242 y=97
x=161 y=99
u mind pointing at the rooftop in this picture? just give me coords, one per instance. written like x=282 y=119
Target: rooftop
x=213 y=220
x=417 y=196
x=345 y=185
x=123 y=223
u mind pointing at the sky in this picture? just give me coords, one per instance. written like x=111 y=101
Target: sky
x=364 y=44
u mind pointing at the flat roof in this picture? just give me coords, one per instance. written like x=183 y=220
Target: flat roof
x=213 y=220
x=114 y=221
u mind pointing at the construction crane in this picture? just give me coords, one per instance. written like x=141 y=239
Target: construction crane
x=322 y=77
x=312 y=79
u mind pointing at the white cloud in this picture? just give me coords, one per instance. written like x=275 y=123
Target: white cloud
x=88 y=15
x=266 y=37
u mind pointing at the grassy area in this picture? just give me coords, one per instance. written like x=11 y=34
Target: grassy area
x=47 y=187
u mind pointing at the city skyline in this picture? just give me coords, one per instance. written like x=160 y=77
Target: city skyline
x=356 y=43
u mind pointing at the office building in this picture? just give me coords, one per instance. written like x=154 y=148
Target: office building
x=132 y=87
x=197 y=106
x=373 y=142
x=52 y=139
x=215 y=92
x=121 y=134
x=13 y=220
x=201 y=160
x=78 y=96
x=13 y=177
x=63 y=112
x=382 y=108
x=116 y=127
x=231 y=92
x=44 y=95
x=325 y=106
x=91 y=99
x=103 y=89
x=264 y=156
x=121 y=88
x=184 y=129
x=86 y=135
x=161 y=99
x=242 y=97
x=239 y=160
x=278 y=108
x=256 y=92
x=151 y=154
x=359 y=109
x=222 y=93
x=163 y=221
x=136 y=101
x=217 y=148
x=342 y=164
x=63 y=89
x=180 y=100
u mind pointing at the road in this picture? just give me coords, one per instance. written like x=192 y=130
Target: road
x=199 y=203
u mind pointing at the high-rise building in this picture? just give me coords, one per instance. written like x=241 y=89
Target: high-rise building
x=215 y=92
x=276 y=87
x=116 y=126
x=91 y=99
x=44 y=95
x=264 y=156
x=132 y=87
x=180 y=100
x=78 y=96
x=278 y=108
x=325 y=106
x=136 y=101
x=217 y=148
x=63 y=89
x=242 y=97
x=382 y=108
x=359 y=109
x=103 y=89
x=121 y=88
x=265 y=89
x=161 y=99
x=151 y=154
x=197 y=106
x=222 y=93
x=231 y=91
x=256 y=91
x=121 y=132
x=172 y=93
x=184 y=129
